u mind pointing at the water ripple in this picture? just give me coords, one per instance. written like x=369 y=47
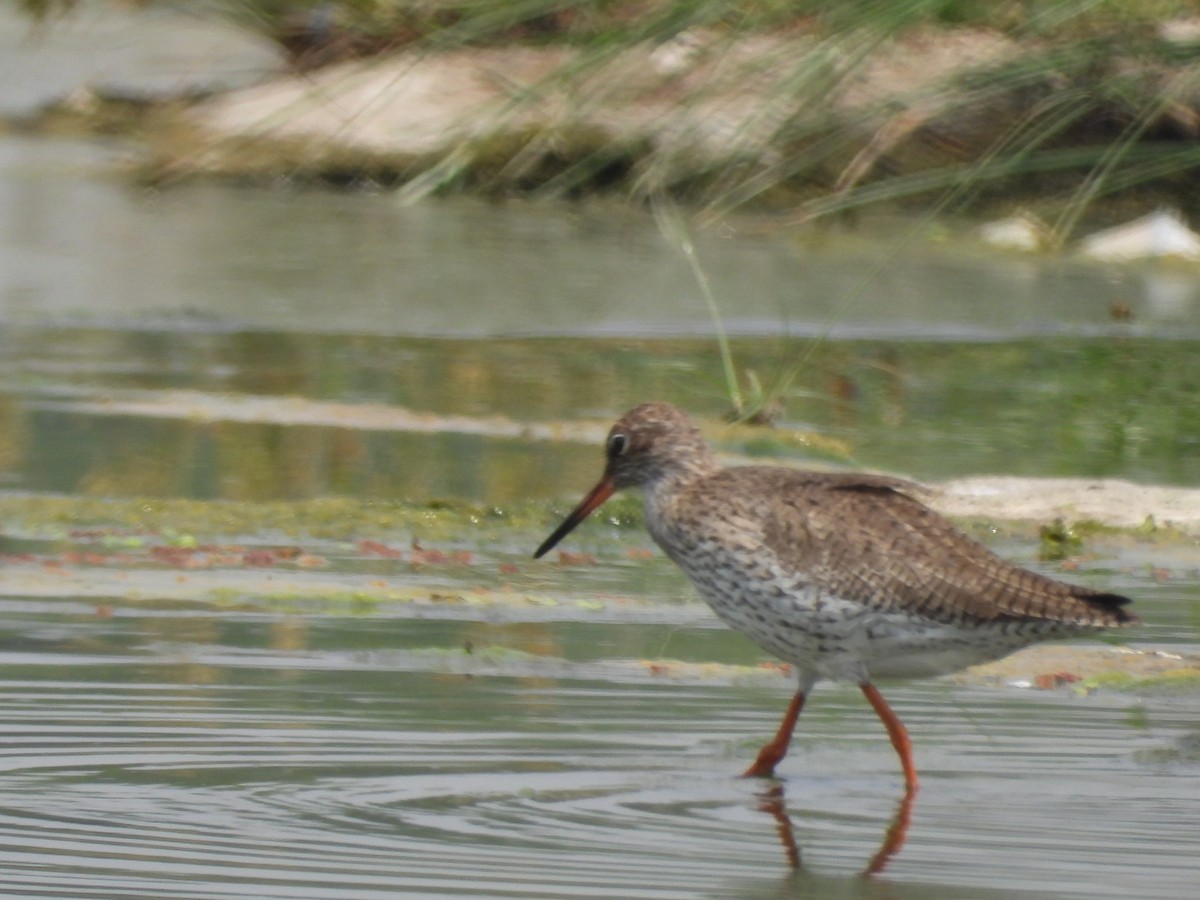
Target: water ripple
x=224 y=754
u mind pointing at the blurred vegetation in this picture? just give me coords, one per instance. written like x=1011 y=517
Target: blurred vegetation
x=1074 y=101
x=387 y=23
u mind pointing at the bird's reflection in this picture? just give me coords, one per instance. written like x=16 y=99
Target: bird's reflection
x=895 y=836
x=773 y=801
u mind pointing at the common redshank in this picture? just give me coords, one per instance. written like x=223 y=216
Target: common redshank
x=847 y=577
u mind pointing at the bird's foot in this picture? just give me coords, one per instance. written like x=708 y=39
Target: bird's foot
x=764 y=765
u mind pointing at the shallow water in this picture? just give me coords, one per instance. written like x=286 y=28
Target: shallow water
x=153 y=748
x=210 y=257
x=263 y=416
x=337 y=722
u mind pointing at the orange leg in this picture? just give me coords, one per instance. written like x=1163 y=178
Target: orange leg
x=771 y=755
x=896 y=732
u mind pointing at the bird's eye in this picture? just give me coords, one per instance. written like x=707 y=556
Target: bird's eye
x=617 y=444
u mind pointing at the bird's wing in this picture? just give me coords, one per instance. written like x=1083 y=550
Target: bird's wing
x=866 y=538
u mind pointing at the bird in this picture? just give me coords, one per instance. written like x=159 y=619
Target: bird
x=849 y=577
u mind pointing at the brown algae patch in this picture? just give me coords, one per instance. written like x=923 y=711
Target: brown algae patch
x=1078 y=667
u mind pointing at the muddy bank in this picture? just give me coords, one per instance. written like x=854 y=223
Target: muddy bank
x=801 y=119
x=526 y=115
x=786 y=113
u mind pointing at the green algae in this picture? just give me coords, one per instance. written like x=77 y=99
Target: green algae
x=180 y=520
x=1181 y=680
x=126 y=523
x=1058 y=541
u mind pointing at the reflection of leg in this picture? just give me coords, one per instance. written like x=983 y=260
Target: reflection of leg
x=771 y=755
x=771 y=801
x=896 y=732
x=896 y=834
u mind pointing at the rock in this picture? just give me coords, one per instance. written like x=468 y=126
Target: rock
x=1161 y=234
x=1023 y=231
x=1181 y=32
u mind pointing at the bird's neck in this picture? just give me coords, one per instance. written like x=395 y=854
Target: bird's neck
x=660 y=498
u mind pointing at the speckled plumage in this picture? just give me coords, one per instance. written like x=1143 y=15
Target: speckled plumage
x=845 y=576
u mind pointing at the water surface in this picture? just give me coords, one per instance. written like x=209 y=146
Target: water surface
x=196 y=715
x=589 y=747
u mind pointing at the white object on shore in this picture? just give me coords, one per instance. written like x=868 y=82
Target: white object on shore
x=1162 y=233
x=1023 y=231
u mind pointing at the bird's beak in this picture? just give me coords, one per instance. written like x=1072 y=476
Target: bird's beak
x=587 y=505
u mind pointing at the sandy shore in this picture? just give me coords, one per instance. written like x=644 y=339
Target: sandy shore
x=663 y=113
x=1121 y=504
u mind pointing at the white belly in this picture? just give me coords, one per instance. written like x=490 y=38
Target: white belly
x=830 y=638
